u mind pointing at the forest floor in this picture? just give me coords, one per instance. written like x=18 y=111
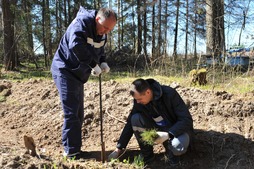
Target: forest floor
x=223 y=122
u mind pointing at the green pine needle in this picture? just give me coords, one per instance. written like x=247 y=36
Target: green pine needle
x=149 y=136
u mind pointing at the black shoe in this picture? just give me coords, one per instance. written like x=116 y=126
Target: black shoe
x=172 y=159
x=77 y=155
x=147 y=158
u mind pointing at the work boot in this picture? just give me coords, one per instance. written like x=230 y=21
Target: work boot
x=77 y=155
x=116 y=154
x=147 y=158
x=171 y=159
x=146 y=153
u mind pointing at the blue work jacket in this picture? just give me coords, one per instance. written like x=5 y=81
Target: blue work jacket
x=80 y=48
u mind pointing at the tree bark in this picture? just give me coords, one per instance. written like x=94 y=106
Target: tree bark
x=145 y=28
x=176 y=30
x=159 y=30
x=186 y=29
x=153 y=33
x=118 y=25
x=48 y=34
x=1 y=20
x=139 y=40
x=166 y=29
x=133 y=25
x=10 y=61
x=195 y=30
x=215 y=38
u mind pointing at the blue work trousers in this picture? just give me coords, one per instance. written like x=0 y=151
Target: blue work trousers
x=71 y=93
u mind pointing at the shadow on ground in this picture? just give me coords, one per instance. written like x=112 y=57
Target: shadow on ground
x=211 y=149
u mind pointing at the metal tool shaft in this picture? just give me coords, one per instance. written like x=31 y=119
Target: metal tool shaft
x=101 y=119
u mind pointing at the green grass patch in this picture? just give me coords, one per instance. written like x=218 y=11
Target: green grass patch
x=25 y=74
x=2 y=98
x=139 y=162
x=234 y=82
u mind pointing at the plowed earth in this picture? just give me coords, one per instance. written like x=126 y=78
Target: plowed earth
x=224 y=127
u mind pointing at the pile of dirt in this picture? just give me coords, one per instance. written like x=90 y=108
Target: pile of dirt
x=223 y=124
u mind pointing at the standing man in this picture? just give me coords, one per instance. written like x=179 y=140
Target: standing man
x=79 y=54
x=157 y=107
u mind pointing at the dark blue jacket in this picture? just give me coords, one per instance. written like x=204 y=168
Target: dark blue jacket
x=80 y=48
x=167 y=103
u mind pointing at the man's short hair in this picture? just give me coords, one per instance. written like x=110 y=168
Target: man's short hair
x=140 y=86
x=107 y=13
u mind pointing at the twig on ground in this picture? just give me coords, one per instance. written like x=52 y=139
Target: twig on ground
x=222 y=143
x=229 y=160
x=114 y=117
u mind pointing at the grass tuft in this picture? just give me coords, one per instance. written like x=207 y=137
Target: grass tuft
x=2 y=98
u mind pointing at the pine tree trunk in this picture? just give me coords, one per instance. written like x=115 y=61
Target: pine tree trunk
x=186 y=29
x=139 y=40
x=176 y=30
x=9 y=41
x=159 y=30
x=215 y=37
x=153 y=34
x=145 y=28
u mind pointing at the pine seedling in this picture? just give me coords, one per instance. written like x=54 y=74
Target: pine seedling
x=149 y=136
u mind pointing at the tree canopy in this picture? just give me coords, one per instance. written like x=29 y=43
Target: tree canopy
x=154 y=28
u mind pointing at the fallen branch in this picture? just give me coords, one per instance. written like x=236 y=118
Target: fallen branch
x=114 y=117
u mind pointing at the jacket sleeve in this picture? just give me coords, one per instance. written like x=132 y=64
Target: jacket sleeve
x=102 y=55
x=126 y=134
x=84 y=52
x=79 y=48
x=102 y=52
x=177 y=110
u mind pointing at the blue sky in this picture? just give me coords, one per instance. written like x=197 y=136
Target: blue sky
x=232 y=31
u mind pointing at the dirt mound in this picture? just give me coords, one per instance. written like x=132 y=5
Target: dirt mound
x=223 y=126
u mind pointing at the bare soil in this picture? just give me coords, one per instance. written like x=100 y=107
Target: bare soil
x=224 y=127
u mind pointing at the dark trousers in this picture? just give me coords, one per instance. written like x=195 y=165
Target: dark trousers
x=71 y=93
x=140 y=123
x=176 y=146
